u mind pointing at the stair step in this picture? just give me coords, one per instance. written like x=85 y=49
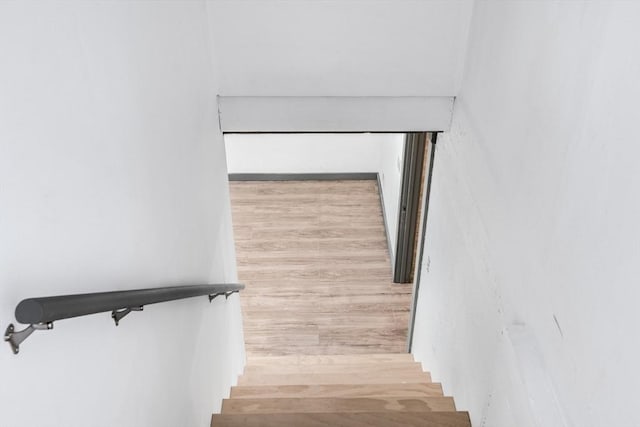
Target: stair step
x=344 y=419
x=338 y=390
x=409 y=367
x=373 y=377
x=329 y=359
x=333 y=404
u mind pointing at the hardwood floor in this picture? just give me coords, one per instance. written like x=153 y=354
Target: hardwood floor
x=314 y=258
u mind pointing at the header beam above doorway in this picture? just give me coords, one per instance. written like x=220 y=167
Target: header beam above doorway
x=334 y=114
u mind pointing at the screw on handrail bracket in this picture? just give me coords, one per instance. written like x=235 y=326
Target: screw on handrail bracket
x=226 y=295
x=15 y=338
x=117 y=315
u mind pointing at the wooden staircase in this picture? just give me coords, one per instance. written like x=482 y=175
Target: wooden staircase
x=346 y=390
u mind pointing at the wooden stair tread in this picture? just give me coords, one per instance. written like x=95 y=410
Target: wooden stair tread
x=344 y=419
x=328 y=359
x=410 y=367
x=333 y=404
x=337 y=390
x=381 y=377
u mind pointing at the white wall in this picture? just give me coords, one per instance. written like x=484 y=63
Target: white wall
x=528 y=305
x=340 y=47
x=390 y=170
x=112 y=176
x=304 y=153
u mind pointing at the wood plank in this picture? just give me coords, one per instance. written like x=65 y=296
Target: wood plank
x=340 y=359
x=276 y=301
x=317 y=232
x=362 y=419
x=407 y=367
x=321 y=349
x=321 y=320
x=338 y=390
x=312 y=259
x=333 y=404
x=381 y=377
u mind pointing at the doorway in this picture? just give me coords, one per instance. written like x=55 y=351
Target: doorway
x=355 y=168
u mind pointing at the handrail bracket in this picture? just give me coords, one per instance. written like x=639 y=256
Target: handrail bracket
x=15 y=338
x=226 y=295
x=117 y=315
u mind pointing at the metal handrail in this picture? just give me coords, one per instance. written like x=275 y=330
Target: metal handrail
x=40 y=313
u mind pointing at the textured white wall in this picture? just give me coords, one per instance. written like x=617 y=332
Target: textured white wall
x=528 y=305
x=112 y=176
x=340 y=47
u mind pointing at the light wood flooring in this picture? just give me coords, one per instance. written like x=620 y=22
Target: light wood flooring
x=314 y=258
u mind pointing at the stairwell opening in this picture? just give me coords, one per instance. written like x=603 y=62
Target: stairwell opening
x=302 y=205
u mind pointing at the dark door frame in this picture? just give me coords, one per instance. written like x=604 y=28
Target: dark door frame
x=409 y=207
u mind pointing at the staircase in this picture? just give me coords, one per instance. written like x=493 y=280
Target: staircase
x=346 y=390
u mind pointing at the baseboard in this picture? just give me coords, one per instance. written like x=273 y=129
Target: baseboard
x=302 y=176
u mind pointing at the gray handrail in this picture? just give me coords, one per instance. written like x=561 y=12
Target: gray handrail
x=40 y=313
